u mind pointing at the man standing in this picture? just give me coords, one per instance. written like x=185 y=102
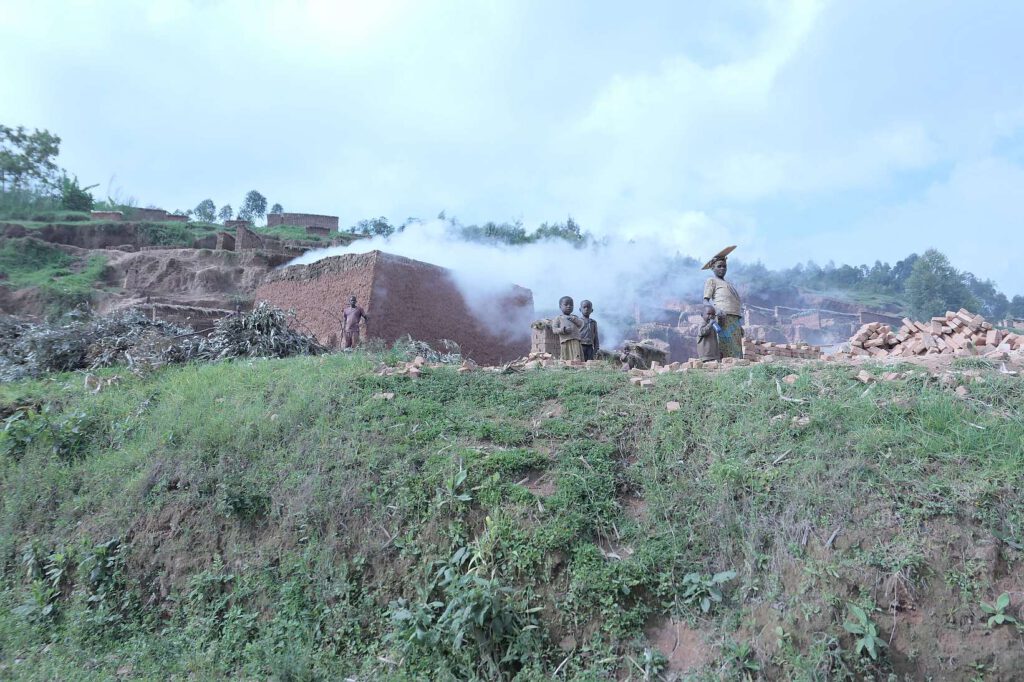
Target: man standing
x=350 y=329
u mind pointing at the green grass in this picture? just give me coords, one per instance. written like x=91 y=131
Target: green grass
x=278 y=520
x=290 y=232
x=65 y=280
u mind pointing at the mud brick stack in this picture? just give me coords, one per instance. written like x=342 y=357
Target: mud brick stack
x=960 y=333
x=756 y=349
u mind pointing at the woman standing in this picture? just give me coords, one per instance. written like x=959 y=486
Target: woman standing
x=725 y=299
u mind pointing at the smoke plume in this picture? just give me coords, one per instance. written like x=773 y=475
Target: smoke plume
x=620 y=277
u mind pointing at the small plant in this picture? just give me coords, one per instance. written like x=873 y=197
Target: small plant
x=866 y=631
x=449 y=493
x=49 y=582
x=997 y=611
x=705 y=589
x=741 y=659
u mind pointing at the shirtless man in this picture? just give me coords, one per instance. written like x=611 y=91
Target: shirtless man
x=350 y=328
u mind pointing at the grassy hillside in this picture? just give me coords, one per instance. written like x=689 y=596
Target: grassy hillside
x=285 y=520
x=63 y=280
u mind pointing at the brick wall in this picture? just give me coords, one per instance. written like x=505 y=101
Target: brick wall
x=106 y=215
x=402 y=297
x=154 y=214
x=225 y=242
x=868 y=317
x=307 y=220
x=246 y=239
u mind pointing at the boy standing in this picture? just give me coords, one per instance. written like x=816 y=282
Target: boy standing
x=588 y=332
x=567 y=327
x=707 y=336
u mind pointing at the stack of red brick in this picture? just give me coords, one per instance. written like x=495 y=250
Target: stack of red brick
x=959 y=333
x=755 y=349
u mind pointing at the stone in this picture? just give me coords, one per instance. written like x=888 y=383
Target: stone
x=790 y=378
x=672 y=406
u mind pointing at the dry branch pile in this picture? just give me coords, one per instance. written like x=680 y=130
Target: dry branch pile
x=131 y=338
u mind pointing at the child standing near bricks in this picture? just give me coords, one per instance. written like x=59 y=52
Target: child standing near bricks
x=588 y=332
x=567 y=328
x=707 y=336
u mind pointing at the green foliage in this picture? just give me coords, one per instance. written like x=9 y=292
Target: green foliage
x=997 y=611
x=705 y=589
x=64 y=280
x=27 y=160
x=276 y=509
x=253 y=206
x=225 y=212
x=296 y=232
x=375 y=227
x=475 y=626
x=866 y=632
x=276 y=209
x=73 y=197
x=935 y=286
x=740 y=657
x=206 y=211
x=1016 y=309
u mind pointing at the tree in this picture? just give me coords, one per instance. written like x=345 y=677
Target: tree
x=277 y=209
x=254 y=206
x=206 y=211
x=225 y=212
x=935 y=286
x=27 y=158
x=993 y=304
x=377 y=227
x=901 y=271
x=74 y=197
x=1017 y=307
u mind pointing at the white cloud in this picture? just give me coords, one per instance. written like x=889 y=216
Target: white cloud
x=974 y=216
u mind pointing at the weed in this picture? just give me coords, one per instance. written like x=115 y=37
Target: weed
x=450 y=493
x=472 y=622
x=866 y=632
x=997 y=611
x=705 y=589
x=740 y=658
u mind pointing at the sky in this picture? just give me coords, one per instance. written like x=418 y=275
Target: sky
x=831 y=131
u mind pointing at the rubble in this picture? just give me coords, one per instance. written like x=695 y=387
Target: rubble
x=959 y=334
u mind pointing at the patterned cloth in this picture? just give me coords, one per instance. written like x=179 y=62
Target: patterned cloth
x=730 y=339
x=571 y=350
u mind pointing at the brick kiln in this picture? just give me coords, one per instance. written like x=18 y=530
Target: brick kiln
x=401 y=296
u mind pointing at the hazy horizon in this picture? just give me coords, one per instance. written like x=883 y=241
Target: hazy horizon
x=798 y=130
